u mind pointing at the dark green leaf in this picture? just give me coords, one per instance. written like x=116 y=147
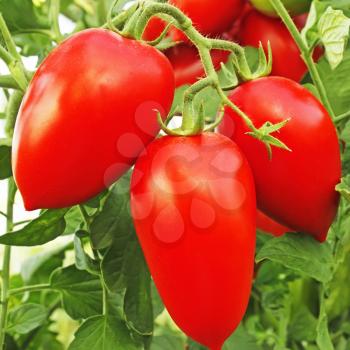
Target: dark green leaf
x=49 y=225
x=300 y=253
x=303 y=325
x=22 y=14
x=25 y=318
x=240 y=339
x=158 y=306
x=5 y=159
x=38 y=268
x=81 y=292
x=138 y=302
x=73 y=220
x=114 y=217
x=338 y=89
x=44 y=339
x=103 y=333
x=83 y=261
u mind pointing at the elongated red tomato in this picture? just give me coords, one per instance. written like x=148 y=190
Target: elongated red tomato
x=193 y=205
x=287 y=62
x=210 y=17
x=268 y=225
x=187 y=65
x=295 y=188
x=88 y=112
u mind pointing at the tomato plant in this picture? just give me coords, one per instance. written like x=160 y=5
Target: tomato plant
x=150 y=221
x=103 y=117
x=197 y=194
x=314 y=156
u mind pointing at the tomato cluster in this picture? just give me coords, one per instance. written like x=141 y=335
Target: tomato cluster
x=90 y=113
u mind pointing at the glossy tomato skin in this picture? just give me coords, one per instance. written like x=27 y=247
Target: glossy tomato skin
x=210 y=17
x=295 y=188
x=193 y=205
x=87 y=114
x=187 y=65
x=268 y=225
x=287 y=62
x=294 y=7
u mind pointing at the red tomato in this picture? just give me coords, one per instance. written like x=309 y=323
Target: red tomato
x=295 y=188
x=187 y=65
x=193 y=205
x=287 y=61
x=87 y=114
x=153 y=29
x=268 y=225
x=210 y=17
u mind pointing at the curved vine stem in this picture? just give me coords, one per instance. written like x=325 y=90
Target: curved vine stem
x=5 y=273
x=306 y=53
x=204 y=46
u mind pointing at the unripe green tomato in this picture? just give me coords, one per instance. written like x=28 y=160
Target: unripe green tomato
x=294 y=7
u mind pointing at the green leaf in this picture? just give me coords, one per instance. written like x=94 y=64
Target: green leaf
x=103 y=333
x=333 y=27
x=337 y=87
x=303 y=325
x=44 y=339
x=138 y=303
x=167 y=342
x=124 y=269
x=5 y=159
x=73 y=220
x=240 y=339
x=83 y=261
x=300 y=253
x=25 y=318
x=323 y=339
x=38 y=268
x=157 y=303
x=22 y=14
x=81 y=292
x=344 y=187
x=49 y=225
x=114 y=217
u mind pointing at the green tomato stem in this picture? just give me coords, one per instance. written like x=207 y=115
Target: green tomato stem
x=204 y=46
x=305 y=53
x=11 y=57
x=5 y=274
x=12 y=111
x=7 y=81
x=101 y=11
x=54 y=16
x=342 y=117
x=33 y=288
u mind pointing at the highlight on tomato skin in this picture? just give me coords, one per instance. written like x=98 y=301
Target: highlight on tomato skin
x=81 y=126
x=194 y=208
x=186 y=63
x=297 y=187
